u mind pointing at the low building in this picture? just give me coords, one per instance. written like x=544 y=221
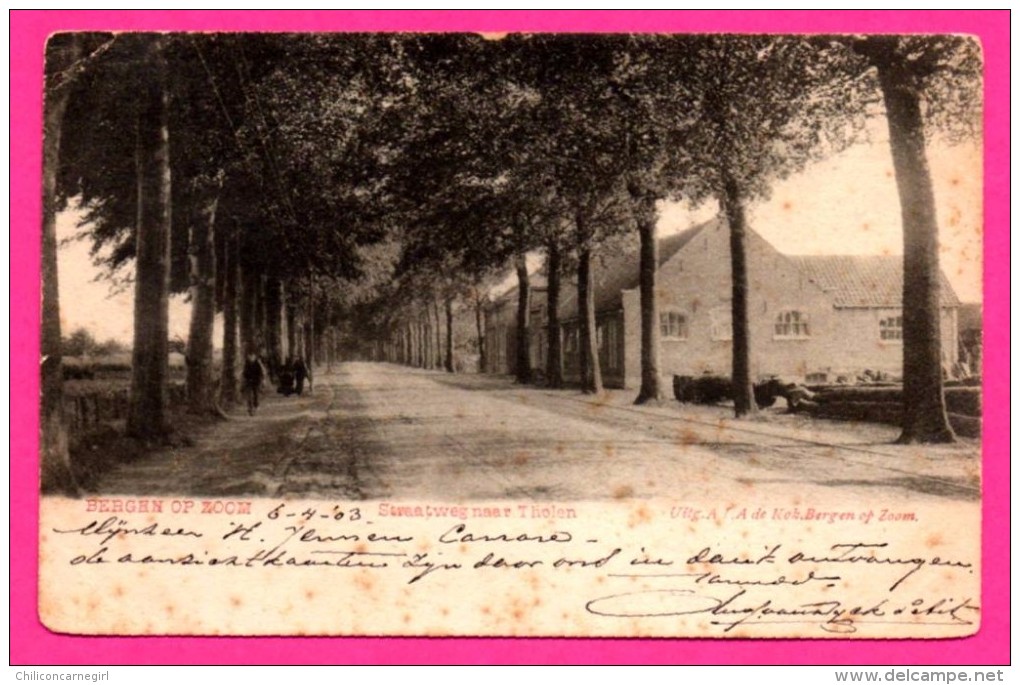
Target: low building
x=970 y=324
x=501 y=327
x=813 y=318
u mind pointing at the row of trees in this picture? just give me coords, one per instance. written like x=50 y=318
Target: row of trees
x=81 y=343
x=363 y=182
x=559 y=143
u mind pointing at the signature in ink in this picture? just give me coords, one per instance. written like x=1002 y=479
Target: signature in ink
x=742 y=609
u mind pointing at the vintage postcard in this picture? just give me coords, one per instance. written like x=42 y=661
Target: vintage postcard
x=523 y=334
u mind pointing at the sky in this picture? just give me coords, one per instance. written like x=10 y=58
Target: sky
x=847 y=204
x=87 y=301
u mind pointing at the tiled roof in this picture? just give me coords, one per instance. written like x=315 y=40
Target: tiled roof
x=864 y=280
x=537 y=281
x=851 y=281
x=620 y=270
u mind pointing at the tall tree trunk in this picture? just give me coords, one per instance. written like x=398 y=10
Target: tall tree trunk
x=419 y=345
x=449 y=334
x=522 y=361
x=56 y=473
x=261 y=339
x=650 y=386
x=439 y=334
x=274 y=332
x=412 y=343
x=292 y=334
x=310 y=342
x=231 y=283
x=426 y=341
x=591 y=371
x=201 y=382
x=554 y=359
x=427 y=335
x=433 y=336
x=588 y=349
x=743 y=392
x=284 y=329
x=249 y=302
x=148 y=412
x=420 y=340
x=480 y=332
x=320 y=343
x=331 y=346
x=924 y=405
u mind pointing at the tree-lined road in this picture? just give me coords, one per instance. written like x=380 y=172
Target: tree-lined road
x=377 y=431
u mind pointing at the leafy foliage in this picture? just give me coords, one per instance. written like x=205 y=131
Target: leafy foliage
x=398 y=168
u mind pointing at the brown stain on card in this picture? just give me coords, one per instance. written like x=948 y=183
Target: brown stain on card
x=688 y=437
x=639 y=516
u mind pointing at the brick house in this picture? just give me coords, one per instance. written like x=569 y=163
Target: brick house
x=811 y=317
x=501 y=326
x=617 y=327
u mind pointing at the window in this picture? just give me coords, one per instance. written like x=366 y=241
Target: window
x=890 y=329
x=791 y=324
x=673 y=326
x=722 y=323
x=571 y=341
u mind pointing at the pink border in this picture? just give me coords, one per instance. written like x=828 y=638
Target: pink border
x=30 y=643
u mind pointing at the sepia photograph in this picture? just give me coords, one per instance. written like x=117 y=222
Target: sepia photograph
x=512 y=334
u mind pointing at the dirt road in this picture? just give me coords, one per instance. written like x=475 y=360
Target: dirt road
x=376 y=431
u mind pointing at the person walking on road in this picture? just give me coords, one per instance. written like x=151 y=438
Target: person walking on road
x=300 y=373
x=287 y=373
x=253 y=376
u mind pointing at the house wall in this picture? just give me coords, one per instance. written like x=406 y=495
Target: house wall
x=631 y=318
x=950 y=332
x=499 y=338
x=857 y=344
x=696 y=283
x=537 y=344
x=610 y=333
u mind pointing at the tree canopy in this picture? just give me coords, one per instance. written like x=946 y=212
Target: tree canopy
x=362 y=178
